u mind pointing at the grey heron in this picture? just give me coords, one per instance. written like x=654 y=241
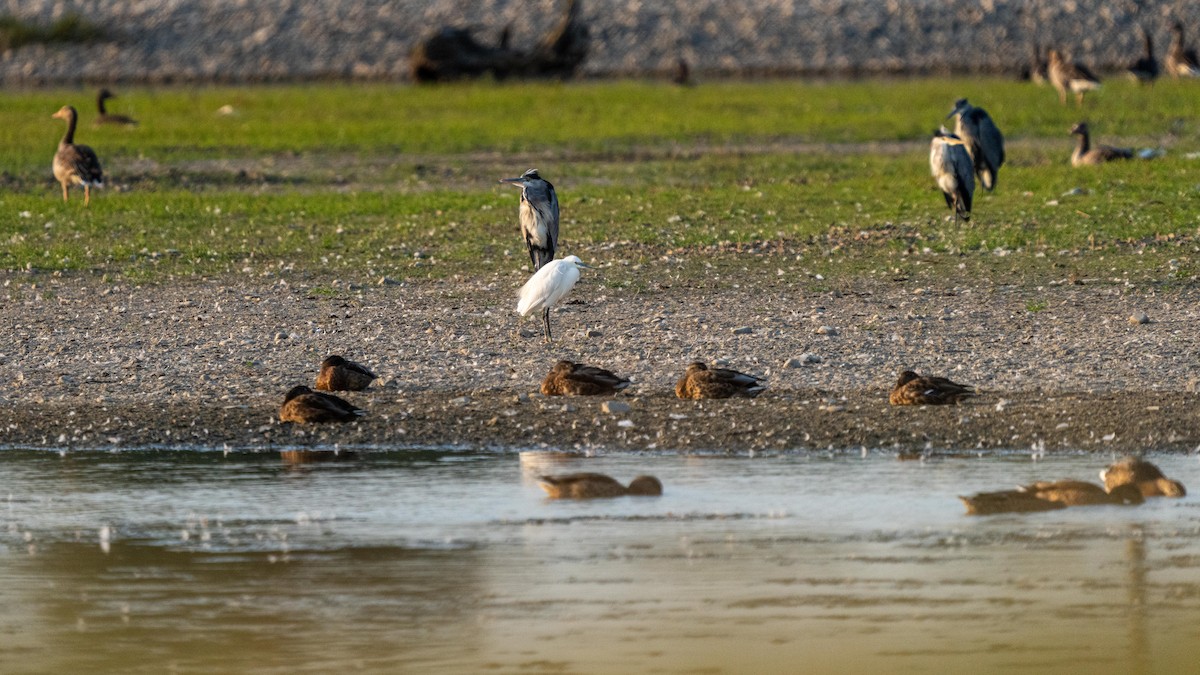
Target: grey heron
x=1070 y=76
x=75 y=164
x=952 y=169
x=1085 y=154
x=539 y=216
x=1181 y=61
x=982 y=138
x=547 y=286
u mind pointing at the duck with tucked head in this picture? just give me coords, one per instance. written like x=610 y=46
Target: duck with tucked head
x=914 y=389
x=338 y=374
x=1145 y=475
x=305 y=406
x=575 y=379
x=597 y=486
x=1050 y=496
x=75 y=164
x=701 y=382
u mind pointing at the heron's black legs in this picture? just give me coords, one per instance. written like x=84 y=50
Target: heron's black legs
x=546 y=319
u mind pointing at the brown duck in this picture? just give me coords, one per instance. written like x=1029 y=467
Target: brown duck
x=913 y=389
x=305 y=406
x=104 y=117
x=700 y=381
x=338 y=374
x=1146 y=476
x=75 y=164
x=597 y=486
x=1085 y=154
x=575 y=379
x=1050 y=496
x=1069 y=76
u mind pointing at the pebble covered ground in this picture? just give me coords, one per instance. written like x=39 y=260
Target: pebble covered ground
x=1094 y=367
x=262 y=40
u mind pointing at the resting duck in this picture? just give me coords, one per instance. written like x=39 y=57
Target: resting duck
x=1145 y=475
x=1085 y=154
x=575 y=379
x=913 y=389
x=104 y=117
x=305 y=406
x=700 y=381
x=1050 y=496
x=1068 y=76
x=75 y=164
x=597 y=486
x=338 y=374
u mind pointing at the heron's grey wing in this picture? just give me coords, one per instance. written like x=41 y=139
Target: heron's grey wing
x=964 y=172
x=552 y=218
x=992 y=142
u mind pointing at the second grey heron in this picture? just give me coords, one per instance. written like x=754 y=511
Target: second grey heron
x=982 y=138
x=539 y=216
x=951 y=166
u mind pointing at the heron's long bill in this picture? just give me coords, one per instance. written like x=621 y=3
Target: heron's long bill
x=518 y=179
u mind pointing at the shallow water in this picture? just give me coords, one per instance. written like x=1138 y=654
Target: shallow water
x=424 y=561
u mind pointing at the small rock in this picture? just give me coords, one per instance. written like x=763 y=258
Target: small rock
x=615 y=407
x=809 y=357
x=744 y=330
x=568 y=408
x=521 y=398
x=594 y=334
x=388 y=281
x=793 y=363
x=528 y=333
x=1139 y=317
x=461 y=401
x=827 y=330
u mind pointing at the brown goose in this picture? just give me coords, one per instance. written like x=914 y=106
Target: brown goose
x=1145 y=69
x=913 y=389
x=338 y=374
x=305 y=406
x=575 y=379
x=1085 y=154
x=700 y=382
x=1069 y=76
x=1181 y=61
x=597 y=486
x=105 y=118
x=75 y=164
x=1049 y=496
x=1145 y=475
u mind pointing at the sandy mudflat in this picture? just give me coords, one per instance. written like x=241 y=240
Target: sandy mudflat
x=206 y=363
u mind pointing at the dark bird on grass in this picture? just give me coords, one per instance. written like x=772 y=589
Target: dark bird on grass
x=597 y=486
x=104 y=117
x=1181 y=61
x=575 y=379
x=338 y=374
x=1036 y=71
x=1148 y=478
x=1069 y=76
x=914 y=389
x=547 y=286
x=1085 y=154
x=683 y=73
x=1145 y=69
x=75 y=164
x=982 y=138
x=954 y=172
x=305 y=406
x=1050 y=496
x=700 y=382
x=539 y=216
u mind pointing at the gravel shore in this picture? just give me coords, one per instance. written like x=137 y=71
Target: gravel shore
x=265 y=40
x=206 y=363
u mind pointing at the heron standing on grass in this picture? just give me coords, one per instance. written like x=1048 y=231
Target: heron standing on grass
x=547 y=286
x=539 y=216
x=982 y=138
x=950 y=164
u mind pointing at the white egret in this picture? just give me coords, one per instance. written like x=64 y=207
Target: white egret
x=547 y=286
x=539 y=216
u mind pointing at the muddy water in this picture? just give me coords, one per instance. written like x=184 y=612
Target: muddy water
x=422 y=561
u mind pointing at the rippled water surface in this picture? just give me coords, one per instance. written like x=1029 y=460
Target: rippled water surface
x=430 y=561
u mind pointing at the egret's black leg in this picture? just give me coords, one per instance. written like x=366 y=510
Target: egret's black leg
x=546 y=319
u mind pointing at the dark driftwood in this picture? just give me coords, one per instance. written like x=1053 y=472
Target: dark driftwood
x=452 y=53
